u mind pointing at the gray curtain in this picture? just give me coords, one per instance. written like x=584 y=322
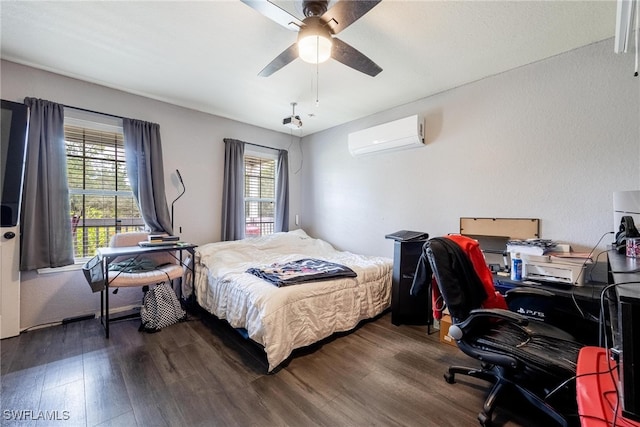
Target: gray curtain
x=233 y=191
x=282 y=191
x=45 y=219
x=143 y=152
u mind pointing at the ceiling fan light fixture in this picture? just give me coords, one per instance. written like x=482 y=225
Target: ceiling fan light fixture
x=314 y=42
x=314 y=49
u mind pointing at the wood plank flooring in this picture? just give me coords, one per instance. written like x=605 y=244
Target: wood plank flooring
x=202 y=373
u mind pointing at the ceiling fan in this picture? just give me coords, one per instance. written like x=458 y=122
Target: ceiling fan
x=316 y=42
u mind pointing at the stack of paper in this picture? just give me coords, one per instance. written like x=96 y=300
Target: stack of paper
x=531 y=246
x=571 y=257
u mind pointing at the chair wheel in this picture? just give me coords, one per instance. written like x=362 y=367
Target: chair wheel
x=449 y=377
x=484 y=420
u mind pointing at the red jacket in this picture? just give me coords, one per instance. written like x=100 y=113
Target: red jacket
x=472 y=248
x=488 y=298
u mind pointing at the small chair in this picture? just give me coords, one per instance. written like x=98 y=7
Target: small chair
x=516 y=353
x=168 y=268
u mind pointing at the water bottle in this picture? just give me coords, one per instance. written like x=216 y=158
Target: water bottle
x=516 y=267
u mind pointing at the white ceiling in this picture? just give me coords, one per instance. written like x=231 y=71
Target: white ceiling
x=206 y=55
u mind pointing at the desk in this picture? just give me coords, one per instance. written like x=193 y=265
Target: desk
x=108 y=254
x=624 y=273
x=596 y=394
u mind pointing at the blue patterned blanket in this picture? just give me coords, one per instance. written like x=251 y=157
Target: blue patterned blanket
x=301 y=271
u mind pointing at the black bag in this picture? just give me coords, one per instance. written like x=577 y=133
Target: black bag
x=94 y=274
x=627 y=229
x=160 y=308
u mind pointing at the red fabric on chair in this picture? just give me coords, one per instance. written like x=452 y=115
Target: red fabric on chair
x=596 y=390
x=471 y=248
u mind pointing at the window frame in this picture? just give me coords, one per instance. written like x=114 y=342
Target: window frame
x=101 y=123
x=269 y=155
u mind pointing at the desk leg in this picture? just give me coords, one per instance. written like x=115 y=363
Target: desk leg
x=181 y=279
x=192 y=269
x=193 y=274
x=106 y=300
x=102 y=307
x=429 y=308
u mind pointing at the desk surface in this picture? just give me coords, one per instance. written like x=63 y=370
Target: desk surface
x=625 y=273
x=590 y=291
x=109 y=252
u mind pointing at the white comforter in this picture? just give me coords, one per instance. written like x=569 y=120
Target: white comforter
x=283 y=319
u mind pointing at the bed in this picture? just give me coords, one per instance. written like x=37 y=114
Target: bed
x=284 y=318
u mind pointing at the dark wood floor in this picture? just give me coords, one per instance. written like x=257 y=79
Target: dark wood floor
x=202 y=373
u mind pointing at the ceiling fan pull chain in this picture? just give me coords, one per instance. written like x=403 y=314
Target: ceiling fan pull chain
x=637 y=29
x=317 y=84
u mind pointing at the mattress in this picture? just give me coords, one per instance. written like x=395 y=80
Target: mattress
x=282 y=319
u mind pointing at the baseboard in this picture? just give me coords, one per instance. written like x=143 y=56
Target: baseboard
x=121 y=309
x=67 y=320
x=78 y=318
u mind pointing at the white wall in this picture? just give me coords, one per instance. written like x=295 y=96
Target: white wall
x=552 y=140
x=192 y=142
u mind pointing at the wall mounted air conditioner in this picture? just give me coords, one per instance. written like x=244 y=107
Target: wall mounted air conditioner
x=396 y=135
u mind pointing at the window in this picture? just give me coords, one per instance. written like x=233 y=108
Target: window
x=101 y=199
x=259 y=195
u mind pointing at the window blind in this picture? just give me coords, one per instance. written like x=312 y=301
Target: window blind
x=101 y=199
x=260 y=190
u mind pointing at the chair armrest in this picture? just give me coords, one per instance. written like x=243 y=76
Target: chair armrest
x=498 y=313
x=456 y=331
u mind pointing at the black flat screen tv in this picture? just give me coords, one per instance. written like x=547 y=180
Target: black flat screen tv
x=14 y=123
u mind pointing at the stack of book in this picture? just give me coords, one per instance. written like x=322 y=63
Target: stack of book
x=155 y=238
x=407 y=236
x=532 y=246
x=160 y=240
x=547 y=250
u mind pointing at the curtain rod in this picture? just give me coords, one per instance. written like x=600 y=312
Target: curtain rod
x=93 y=111
x=263 y=146
x=120 y=117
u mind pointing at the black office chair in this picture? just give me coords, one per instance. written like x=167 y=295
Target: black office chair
x=517 y=353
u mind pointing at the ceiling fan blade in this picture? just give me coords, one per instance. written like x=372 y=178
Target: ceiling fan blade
x=351 y=57
x=275 y=13
x=280 y=61
x=345 y=13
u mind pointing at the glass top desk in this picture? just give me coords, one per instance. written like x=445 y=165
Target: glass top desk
x=108 y=254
